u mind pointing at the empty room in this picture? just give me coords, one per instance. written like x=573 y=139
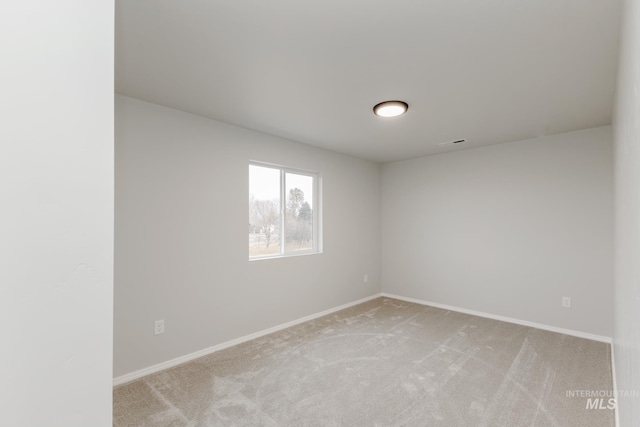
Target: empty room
x=357 y=213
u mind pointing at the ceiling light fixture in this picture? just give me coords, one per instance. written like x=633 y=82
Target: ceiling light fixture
x=390 y=108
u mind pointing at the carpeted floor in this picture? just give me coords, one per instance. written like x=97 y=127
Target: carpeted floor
x=382 y=363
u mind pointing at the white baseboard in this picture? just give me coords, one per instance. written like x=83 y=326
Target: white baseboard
x=504 y=319
x=183 y=359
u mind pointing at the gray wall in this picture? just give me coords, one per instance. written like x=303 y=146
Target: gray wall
x=56 y=215
x=506 y=229
x=626 y=337
x=181 y=235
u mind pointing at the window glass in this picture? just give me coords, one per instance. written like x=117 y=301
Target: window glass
x=299 y=212
x=264 y=211
x=283 y=217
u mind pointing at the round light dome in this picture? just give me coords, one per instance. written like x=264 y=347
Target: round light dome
x=390 y=108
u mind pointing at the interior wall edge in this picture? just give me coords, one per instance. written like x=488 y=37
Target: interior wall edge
x=615 y=382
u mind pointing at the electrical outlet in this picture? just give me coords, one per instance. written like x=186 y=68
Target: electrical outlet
x=159 y=327
x=366 y=278
x=566 y=302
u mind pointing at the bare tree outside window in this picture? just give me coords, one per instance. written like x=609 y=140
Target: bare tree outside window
x=299 y=216
x=281 y=216
x=264 y=211
x=264 y=226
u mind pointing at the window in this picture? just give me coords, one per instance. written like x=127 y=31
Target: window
x=283 y=211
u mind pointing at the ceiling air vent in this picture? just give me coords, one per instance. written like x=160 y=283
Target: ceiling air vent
x=459 y=141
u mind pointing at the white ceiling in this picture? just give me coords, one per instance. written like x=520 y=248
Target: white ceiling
x=490 y=71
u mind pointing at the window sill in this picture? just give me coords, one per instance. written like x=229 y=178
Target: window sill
x=290 y=255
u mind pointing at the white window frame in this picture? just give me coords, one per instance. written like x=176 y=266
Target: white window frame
x=316 y=232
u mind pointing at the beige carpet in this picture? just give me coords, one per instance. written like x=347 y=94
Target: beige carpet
x=382 y=363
